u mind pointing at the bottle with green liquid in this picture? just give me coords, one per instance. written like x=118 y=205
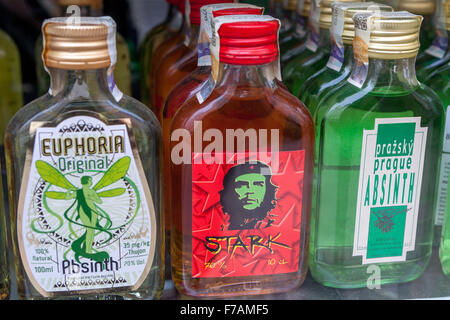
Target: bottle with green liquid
x=438 y=53
x=291 y=49
x=93 y=8
x=341 y=59
x=440 y=82
x=288 y=21
x=318 y=47
x=379 y=146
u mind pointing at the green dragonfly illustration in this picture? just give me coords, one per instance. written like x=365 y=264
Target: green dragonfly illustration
x=84 y=210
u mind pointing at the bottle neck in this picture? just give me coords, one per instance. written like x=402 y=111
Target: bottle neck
x=174 y=18
x=80 y=84
x=324 y=38
x=194 y=32
x=349 y=57
x=393 y=74
x=246 y=77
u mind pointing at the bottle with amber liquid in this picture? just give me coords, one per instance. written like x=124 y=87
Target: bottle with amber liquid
x=181 y=61
x=153 y=39
x=83 y=175
x=195 y=82
x=241 y=165
x=91 y=8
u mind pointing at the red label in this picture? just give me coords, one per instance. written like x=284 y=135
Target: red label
x=247 y=216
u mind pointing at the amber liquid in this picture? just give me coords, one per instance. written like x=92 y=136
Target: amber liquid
x=163 y=50
x=174 y=68
x=244 y=107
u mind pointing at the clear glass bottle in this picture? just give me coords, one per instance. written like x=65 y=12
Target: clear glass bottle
x=182 y=61
x=84 y=178
x=299 y=69
x=380 y=140
x=248 y=99
x=287 y=52
x=153 y=39
x=438 y=54
x=341 y=58
x=91 y=8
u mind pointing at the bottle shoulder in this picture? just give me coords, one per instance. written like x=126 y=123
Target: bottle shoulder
x=261 y=109
x=368 y=102
x=50 y=109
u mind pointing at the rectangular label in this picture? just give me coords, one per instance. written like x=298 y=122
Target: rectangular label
x=246 y=217
x=389 y=190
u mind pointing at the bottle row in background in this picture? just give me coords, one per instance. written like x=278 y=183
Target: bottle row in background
x=283 y=136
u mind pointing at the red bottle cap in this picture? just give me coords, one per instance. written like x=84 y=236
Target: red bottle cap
x=249 y=42
x=197 y=4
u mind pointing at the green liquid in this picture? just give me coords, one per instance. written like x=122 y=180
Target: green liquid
x=340 y=121
x=299 y=69
x=439 y=81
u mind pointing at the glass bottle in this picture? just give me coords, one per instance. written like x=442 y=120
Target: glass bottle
x=260 y=3
x=425 y=8
x=173 y=43
x=318 y=45
x=341 y=60
x=288 y=20
x=228 y=188
x=380 y=139
x=439 y=82
x=438 y=54
x=181 y=61
x=11 y=98
x=153 y=39
x=83 y=177
x=92 y=8
x=297 y=32
x=4 y=272
x=287 y=52
x=194 y=82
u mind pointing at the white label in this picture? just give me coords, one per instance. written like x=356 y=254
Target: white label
x=86 y=214
x=389 y=190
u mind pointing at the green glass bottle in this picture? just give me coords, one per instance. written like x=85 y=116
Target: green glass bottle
x=439 y=82
x=288 y=21
x=380 y=140
x=341 y=59
x=438 y=54
x=295 y=47
x=156 y=36
x=259 y=3
x=11 y=98
x=93 y=8
x=318 y=45
x=298 y=27
x=4 y=274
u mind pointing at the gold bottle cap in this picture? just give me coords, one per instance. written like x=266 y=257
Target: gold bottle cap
x=88 y=43
x=389 y=35
x=350 y=9
x=95 y=4
x=306 y=8
x=326 y=12
x=423 y=7
x=290 y=5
